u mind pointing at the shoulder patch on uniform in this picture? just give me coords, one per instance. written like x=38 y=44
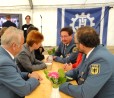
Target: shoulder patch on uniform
x=74 y=49
x=95 y=69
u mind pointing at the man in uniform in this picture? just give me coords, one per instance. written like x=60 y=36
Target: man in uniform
x=26 y=26
x=13 y=82
x=66 y=47
x=95 y=75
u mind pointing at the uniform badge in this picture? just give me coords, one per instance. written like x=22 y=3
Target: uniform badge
x=95 y=69
x=74 y=49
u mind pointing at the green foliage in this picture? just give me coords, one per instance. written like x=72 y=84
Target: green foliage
x=46 y=73
x=61 y=73
x=51 y=51
x=56 y=82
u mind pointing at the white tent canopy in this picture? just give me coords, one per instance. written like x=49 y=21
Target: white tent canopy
x=48 y=10
x=53 y=3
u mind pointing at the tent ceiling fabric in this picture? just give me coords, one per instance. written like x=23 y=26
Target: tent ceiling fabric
x=64 y=2
x=51 y=3
x=13 y=2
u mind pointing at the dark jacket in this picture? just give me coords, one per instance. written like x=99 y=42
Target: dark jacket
x=39 y=53
x=8 y=24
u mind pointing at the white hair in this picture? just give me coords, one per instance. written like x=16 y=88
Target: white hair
x=11 y=35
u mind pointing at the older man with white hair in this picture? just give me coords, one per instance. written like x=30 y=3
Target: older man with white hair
x=13 y=82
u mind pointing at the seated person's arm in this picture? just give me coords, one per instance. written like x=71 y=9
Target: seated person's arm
x=26 y=63
x=70 y=59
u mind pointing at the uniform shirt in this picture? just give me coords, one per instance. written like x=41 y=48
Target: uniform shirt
x=8 y=24
x=8 y=52
x=25 y=28
x=89 y=53
x=66 y=55
x=95 y=76
x=13 y=82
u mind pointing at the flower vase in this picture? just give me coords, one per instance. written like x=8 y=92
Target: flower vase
x=55 y=93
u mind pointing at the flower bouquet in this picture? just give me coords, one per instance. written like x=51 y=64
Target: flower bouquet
x=56 y=78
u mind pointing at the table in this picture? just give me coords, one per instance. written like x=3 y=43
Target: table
x=45 y=87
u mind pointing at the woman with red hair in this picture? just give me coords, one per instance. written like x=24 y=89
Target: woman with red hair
x=26 y=58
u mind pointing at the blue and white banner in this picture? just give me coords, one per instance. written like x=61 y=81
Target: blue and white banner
x=95 y=17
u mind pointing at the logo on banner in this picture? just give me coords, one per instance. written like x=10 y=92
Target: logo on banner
x=82 y=20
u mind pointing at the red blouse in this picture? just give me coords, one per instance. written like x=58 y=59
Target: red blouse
x=78 y=60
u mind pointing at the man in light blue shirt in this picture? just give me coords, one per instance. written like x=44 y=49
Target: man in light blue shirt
x=95 y=75
x=13 y=82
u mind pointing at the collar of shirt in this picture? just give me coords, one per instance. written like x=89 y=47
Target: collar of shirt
x=66 y=44
x=8 y=52
x=89 y=53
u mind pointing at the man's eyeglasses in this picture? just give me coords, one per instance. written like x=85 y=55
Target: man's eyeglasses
x=64 y=36
x=77 y=43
